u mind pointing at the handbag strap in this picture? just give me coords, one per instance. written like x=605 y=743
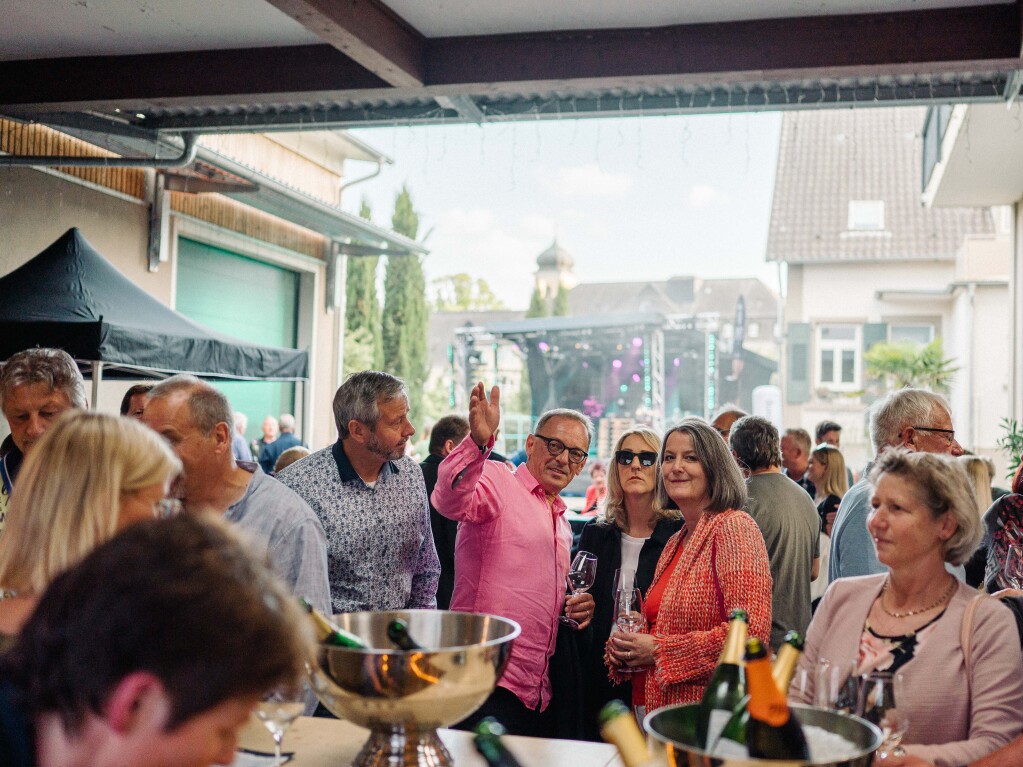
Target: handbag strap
x=966 y=638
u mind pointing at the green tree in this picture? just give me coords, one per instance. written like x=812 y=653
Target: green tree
x=560 y=302
x=405 y=312
x=537 y=304
x=459 y=293
x=362 y=307
x=902 y=364
x=358 y=351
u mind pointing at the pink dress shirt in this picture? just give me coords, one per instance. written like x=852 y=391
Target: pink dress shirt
x=511 y=558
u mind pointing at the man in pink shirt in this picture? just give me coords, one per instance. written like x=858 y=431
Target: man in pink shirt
x=512 y=550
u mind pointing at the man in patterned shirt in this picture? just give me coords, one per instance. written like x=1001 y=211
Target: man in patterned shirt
x=371 y=499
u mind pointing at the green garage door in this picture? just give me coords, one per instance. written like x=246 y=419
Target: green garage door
x=248 y=299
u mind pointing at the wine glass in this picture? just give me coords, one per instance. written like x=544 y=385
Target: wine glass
x=836 y=686
x=1014 y=565
x=278 y=709
x=580 y=577
x=629 y=616
x=878 y=703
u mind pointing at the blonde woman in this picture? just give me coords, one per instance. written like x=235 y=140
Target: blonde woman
x=828 y=474
x=628 y=536
x=979 y=471
x=89 y=476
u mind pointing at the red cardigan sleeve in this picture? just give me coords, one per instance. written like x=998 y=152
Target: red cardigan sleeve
x=735 y=566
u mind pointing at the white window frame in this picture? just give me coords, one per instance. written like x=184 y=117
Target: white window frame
x=866 y=216
x=836 y=347
x=893 y=326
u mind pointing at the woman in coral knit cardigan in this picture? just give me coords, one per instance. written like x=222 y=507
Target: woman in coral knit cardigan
x=716 y=563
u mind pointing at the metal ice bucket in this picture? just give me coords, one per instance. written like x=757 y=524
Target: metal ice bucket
x=403 y=697
x=673 y=728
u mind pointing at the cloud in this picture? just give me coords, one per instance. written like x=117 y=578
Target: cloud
x=704 y=195
x=589 y=180
x=476 y=242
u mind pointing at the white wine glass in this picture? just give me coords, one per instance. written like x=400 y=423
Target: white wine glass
x=1014 y=565
x=882 y=702
x=580 y=578
x=629 y=616
x=836 y=686
x=278 y=709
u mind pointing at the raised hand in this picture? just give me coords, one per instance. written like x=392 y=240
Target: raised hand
x=484 y=414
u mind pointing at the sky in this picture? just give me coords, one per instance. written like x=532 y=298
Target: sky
x=631 y=198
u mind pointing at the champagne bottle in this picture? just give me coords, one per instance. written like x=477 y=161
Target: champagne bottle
x=772 y=732
x=726 y=687
x=618 y=727
x=327 y=632
x=397 y=632
x=782 y=671
x=488 y=743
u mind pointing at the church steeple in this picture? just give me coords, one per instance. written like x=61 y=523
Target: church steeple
x=554 y=268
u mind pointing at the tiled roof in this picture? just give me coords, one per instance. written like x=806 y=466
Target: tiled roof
x=828 y=158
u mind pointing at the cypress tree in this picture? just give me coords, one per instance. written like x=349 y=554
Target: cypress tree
x=537 y=305
x=362 y=311
x=560 y=302
x=405 y=313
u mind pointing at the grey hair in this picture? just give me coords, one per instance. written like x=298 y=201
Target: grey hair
x=207 y=405
x=943 y=485
x=564 y=412
x=53 y=367
x=754 y=440
x=241 y=421
x=286 y=421
x=725 y=483
x=899 y=409
x=358 y=397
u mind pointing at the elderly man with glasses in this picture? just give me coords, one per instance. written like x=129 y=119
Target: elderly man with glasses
x=512 y=554
x=915 y=419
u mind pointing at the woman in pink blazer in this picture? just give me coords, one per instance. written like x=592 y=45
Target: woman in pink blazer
x=911 y=619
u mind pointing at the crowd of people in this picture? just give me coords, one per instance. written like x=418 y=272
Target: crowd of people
x=148 y=562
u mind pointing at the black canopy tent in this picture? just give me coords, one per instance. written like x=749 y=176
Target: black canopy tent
x=70 y=297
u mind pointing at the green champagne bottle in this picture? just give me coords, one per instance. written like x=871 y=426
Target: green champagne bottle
x=782 y=671
x=327 y=632
x=773 y=731
x=488 y=743
x=397 y=632
x=618 y=727
x=726 y=687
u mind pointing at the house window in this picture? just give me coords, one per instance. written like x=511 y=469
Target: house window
x=753 y=330
x=838 y=356
x=918 y=334
x=866 y=215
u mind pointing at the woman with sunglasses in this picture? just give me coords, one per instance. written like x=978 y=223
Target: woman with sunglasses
x=715 y=564
x=627 y=538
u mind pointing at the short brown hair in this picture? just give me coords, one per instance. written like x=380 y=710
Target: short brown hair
x=181 y=598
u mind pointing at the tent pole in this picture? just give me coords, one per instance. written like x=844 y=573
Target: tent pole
x=97 y=376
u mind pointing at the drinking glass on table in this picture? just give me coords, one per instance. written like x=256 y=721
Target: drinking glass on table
x=279 y=708
x=836 y=686
x=580 y=577
x=881 y=695
x=1014 y=565
x=629 y=616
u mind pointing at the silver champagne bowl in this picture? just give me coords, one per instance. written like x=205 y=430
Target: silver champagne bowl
x=403 y=697
x=673 y=729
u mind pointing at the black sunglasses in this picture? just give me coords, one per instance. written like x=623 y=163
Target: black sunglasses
x=646 y=458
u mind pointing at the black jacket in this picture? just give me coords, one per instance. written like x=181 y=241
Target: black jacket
x=605 y=541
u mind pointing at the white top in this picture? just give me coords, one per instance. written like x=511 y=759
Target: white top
x=630 y=559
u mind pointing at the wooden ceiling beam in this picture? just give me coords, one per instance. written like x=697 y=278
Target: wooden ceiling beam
x=819 y=45
x=921 y=43
x=366 y=31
